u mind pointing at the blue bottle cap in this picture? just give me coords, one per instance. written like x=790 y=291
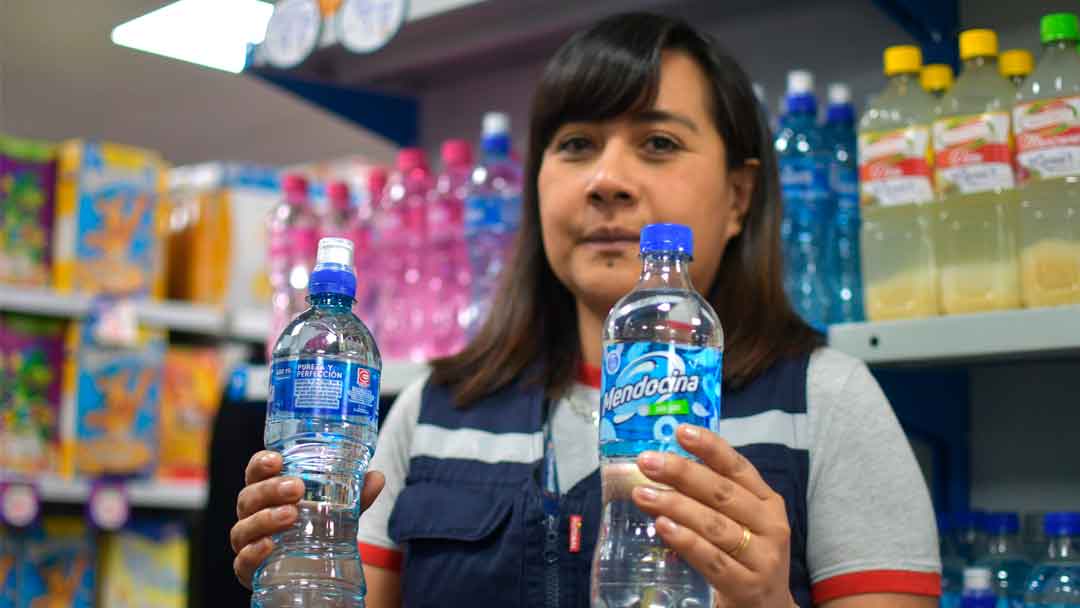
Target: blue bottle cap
x=1001 y=523
x=674 y=238
x=840 y=113
x=333 y=269
x=1062 y=524
x=802 y=103
x=966 y=520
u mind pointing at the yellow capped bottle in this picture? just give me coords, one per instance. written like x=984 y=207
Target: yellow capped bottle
x=895 y=185
x=974 y=229
x=937 y=79
x=1046 y=123
x=1015 y=65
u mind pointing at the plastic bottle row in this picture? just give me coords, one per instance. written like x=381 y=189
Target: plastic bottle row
x=987 y=562
x=429 y=247
x=971 y=202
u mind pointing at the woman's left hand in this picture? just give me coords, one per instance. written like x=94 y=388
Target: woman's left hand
x=722 y=518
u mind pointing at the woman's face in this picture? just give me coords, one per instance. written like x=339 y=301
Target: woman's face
x=600 y=183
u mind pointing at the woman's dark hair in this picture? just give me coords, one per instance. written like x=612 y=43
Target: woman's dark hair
x=610 y=70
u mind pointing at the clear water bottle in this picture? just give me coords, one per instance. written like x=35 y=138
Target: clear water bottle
x=804 y=182
x=952 y=565
x=843 y=273
x=978 y=592
x=1004 y=557
x=492 y=211
x=969 y=535
x=322 y=416
x=1055 y=582
x=663 y=350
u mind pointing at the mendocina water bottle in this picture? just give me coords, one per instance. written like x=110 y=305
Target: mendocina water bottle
x=322 y=416
x=663 y=347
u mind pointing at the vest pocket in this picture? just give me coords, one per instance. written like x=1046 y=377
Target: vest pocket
x=433 y=510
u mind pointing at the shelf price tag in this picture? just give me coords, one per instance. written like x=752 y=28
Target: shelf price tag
x=108 y=506
x=20 y=504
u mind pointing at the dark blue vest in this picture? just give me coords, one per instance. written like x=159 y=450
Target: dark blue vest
x=474 y=532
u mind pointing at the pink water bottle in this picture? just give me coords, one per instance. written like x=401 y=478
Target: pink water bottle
x=401 y=231
x=338 y=214
x=292 y=232
x=360 y=231
x=448 y=274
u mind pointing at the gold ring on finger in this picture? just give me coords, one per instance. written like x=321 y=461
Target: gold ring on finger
x=746 y=534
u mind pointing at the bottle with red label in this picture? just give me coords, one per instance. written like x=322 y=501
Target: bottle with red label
x=1046 y=123
x=974 y=228
x=895 y=192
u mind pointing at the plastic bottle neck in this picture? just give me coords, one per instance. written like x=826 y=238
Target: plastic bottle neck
x=330 y=301
x=1003 y=543
x=665 y=270
x=1057 y=48
x=904 y=81
x=1064 y=548
x=980 y=63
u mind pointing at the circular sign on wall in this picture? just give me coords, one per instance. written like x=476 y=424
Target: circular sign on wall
x=293 y=32
x=368 y=25
x=19 y=504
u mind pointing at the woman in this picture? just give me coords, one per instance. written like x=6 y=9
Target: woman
x=639 y=119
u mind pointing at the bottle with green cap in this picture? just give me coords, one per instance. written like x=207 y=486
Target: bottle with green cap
x=974 y=226
x=1016 y=65
x=1046 y=124
x=895 y=184
x=937 y=79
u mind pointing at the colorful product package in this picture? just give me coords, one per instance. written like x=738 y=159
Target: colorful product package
x=109 y=219
x=59 y=566
x=110 y=412
x=31 y=378
x=217 y=235
x=191 y=391
x=146 y=564
x=27 y=183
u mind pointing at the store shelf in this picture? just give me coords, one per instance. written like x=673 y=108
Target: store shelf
x=251 y=324
x=1009 y=335
x=179 y=316
x=32 y=300
x=186 y=495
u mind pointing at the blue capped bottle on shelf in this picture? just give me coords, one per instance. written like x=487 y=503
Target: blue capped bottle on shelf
x=323 y=417
x=663 y=350
x=1004 y=557
x=952 y=565
x=1055 y=581
x=843 y=273
x=803 y=157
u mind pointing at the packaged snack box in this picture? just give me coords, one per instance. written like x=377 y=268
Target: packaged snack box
x=145 y=565
x=58 y=569
x=27 y=184
x=191 y=391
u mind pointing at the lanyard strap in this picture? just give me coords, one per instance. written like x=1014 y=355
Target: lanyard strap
x=549 y=473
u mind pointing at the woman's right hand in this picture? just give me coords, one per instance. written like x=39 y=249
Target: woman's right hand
x=267 y=505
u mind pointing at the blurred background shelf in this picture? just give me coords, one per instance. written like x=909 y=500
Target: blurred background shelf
x=181 y=495
x=180 y=316
x=985 y=337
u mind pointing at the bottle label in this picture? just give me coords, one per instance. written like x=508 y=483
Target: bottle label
x=317 y=387
x=844 y=183
x=973 y=153
x=1047 y=138
x=894 y=167
x=483 y=212
x=651 y=388
x=804 y=180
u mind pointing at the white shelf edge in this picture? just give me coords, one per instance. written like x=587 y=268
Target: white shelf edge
x=976 y=337
x=182 y=495
x=251 y=324
x=39 y=301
